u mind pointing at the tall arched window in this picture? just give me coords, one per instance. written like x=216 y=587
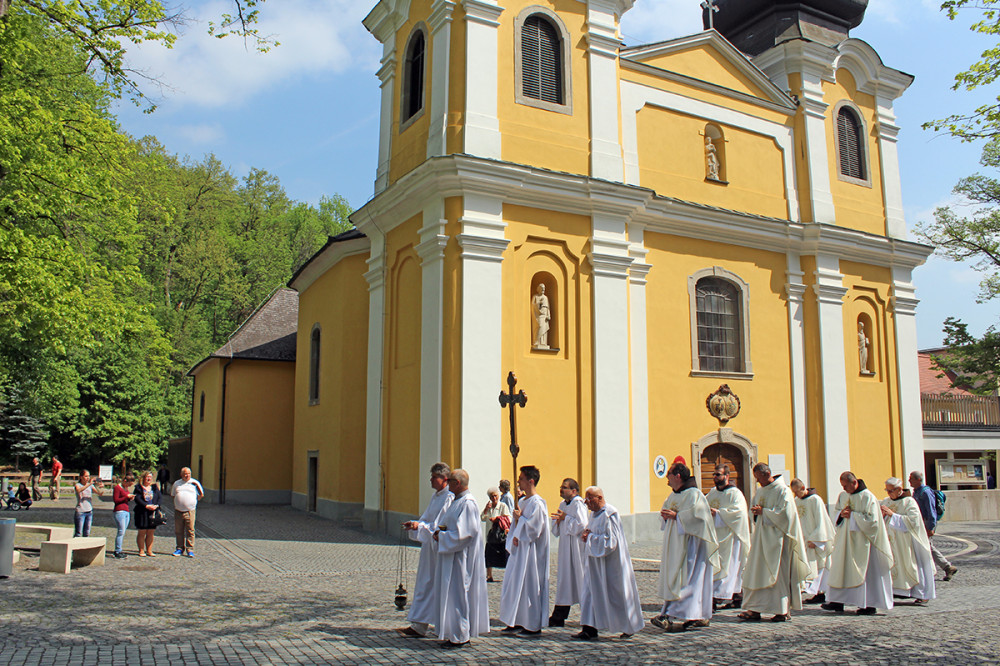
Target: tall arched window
x=413 y=76
x=850 y=144
x=720 y=331
x=201 y=408
x=314 y=340
x=541 y=47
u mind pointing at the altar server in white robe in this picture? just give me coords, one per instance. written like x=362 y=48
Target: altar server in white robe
x=568 y=524
x=862 y=557
x=818 y=531
x=524 y=598
x=732 y=528
x=610 y=600
x=777 y=565
x=690 y=555
x=424 y=610
x=461 y=579
x=913 y=566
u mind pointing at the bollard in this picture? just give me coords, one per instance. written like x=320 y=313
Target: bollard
x=6 y=546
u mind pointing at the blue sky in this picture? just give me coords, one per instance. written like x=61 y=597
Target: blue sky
x=308 y=110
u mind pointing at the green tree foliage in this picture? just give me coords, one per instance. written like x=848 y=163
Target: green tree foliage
x=984 y=121
x=21 y=434
x=975 y=361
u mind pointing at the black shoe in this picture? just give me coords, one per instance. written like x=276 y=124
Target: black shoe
x=584 y=636
x=119 y=555
x=833 y=606
x=553 y=622
x=511 y=630
x=526 y=632
x=818 y=599
x=448 y=645
x=866 y=611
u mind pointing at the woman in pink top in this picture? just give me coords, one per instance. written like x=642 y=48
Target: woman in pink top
x=122 y=497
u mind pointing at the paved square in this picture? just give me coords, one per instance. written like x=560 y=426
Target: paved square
x=271 y=585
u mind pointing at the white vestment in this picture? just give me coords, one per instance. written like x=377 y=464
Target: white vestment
x=610 y=599
x=861 y=561
x=461 y=577
x=524 y=598
x=817 y=529
x=690 y=557
x=424 y=610
x=732 y=529
x=569 y=576
x=777 y=564
x=913 y=567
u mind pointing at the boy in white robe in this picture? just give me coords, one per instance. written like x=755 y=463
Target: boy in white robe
x=913 y=566
x=461 y=576
x=818 y=531
x=424 y=610
x=862 y=557
x=777 y=564
x=732 y=528
x=524 y=598
x=610 y=600
x=568 y=524
x=690 y=555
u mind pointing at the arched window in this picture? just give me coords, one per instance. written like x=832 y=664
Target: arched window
x=201 y=408
x=413 y=76
x=851 y=144
x=314 y=341
x=542 y=60
x=720 y=332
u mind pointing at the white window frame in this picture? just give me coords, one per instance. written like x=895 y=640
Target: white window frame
x=564 y=49
x=863 y=146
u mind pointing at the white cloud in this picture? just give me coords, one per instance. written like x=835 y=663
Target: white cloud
x=201 y=134
x=658 y=20
x=316 y=36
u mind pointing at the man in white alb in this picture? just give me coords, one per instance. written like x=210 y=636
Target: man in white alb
x=862 y=557
x=690 y=555
x=424 y=610
x=818 y=531
x=913 y=566
x=777 y=564
x=568 y=524
x=524 y=597
x=461 y=575
x=187 y=492
x=610 y=600
x=732 y=528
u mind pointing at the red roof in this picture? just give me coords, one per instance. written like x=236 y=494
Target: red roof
x=929 y=380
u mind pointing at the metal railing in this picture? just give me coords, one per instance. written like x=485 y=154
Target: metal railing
x=942 y=411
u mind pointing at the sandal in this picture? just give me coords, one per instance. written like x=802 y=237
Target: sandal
x=728 y=605
x=781 y=618
x=749 y=616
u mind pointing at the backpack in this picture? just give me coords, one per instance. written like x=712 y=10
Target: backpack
x=939 y=500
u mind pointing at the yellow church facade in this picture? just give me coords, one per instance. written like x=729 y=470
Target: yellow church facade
x=626 y=229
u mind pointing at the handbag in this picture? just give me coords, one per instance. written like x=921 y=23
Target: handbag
x=157 y=518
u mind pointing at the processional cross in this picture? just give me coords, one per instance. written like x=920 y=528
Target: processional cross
x=510 y=400
x=709 y=5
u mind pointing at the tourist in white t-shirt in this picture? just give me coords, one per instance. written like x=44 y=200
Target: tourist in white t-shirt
x=186 y=493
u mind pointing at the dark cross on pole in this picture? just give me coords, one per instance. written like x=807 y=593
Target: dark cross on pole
x=510 y=400
x=709 y=5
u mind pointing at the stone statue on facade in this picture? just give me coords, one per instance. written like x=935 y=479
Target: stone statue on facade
x=543 y=316
x=863 y=349
x=711 y=159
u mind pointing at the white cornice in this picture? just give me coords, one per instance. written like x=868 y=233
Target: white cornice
x=326 y=259
x=459 y=175
x=386 y=17
x=729 y=52
x=870 y=75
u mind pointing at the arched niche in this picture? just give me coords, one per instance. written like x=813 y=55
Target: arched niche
x=715 y=150
x=730 y=438
x=550 y=289
x=866 y=335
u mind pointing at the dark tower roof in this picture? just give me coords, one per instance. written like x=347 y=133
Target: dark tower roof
x=754 y=26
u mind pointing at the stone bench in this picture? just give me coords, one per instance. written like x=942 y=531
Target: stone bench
x=51 y=532
x=60 y=555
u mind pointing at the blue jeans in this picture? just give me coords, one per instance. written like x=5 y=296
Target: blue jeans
x=121 y=519
x=81 y=522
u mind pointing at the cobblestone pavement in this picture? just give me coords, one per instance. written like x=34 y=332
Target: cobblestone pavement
x=271 y=585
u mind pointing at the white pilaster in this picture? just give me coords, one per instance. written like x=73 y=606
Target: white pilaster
x=431 y=250
x=440 y=28
x=602 y=53
x=482 y=128
x=904 y=307
x=830 y=292
x=482 y=244
x=892 y=188
x=795 y=293
x=376 y=348
x=610 y=260
x=640 y=371
x=387 y=76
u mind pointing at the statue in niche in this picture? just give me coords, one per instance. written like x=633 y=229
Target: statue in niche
x=711 y=159
x=540 y=311
x=863 y=343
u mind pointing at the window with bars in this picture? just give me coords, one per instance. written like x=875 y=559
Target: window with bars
x=720 y=348
x=314 y=341
x=413 y=76
x=850 y=144
x=541 y=61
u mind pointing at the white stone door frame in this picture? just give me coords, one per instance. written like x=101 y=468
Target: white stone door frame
x=726 y=436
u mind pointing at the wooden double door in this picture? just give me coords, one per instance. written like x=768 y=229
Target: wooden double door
x=720 y=453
